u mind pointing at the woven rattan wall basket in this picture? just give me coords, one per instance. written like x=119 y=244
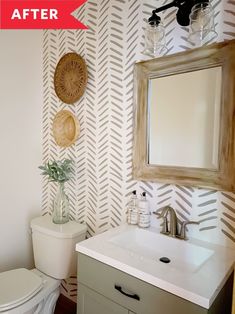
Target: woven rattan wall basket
x=65 y=128
x=70 y=78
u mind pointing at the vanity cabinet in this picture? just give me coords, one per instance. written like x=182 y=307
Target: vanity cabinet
x=103 y=289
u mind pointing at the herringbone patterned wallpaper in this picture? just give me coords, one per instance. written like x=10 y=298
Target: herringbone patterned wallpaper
x=103 y=153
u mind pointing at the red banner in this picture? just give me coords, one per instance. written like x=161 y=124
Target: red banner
x=50 y=14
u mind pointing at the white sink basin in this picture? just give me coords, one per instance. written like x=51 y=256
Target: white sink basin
x=182 y=255
x=197 y=270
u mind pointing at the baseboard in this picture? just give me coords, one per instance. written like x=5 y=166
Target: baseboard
x=65 y=306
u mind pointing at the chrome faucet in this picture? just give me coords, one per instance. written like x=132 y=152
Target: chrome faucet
x=171 y=227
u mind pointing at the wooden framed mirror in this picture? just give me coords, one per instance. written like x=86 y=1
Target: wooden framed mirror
x=184 y=130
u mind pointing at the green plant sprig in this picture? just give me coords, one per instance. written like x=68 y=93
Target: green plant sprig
x=58 y=171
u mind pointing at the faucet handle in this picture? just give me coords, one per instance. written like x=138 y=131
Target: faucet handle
x=159 y=215
x=161 y=212
x=182 y=234
x=165 y=222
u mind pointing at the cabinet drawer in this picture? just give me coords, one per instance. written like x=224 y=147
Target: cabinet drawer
x=91 y=302
x=121 y=288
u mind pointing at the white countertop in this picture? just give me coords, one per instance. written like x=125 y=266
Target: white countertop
x=200 y=285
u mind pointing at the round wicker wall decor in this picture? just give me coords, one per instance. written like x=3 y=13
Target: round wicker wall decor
x=70 y=78
x=65 y=128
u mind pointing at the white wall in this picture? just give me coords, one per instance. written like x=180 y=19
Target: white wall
x=21 y=99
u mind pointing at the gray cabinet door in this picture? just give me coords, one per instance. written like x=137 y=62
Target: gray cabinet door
x=91 y=302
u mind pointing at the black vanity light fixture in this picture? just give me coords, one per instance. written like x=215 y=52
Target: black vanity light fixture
x=197 y=14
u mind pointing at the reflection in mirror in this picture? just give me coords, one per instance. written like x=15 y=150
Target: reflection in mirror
x=183 y=119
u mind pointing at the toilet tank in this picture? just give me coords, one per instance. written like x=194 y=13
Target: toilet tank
x=54 y=246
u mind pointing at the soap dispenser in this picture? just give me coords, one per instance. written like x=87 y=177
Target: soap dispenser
x=144 y=212
x=132 y=211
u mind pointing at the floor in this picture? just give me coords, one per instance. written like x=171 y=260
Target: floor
x=65 y=306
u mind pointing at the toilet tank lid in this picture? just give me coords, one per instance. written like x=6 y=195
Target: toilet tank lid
x=71 y=229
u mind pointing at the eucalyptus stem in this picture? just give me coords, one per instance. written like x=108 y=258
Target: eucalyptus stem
x=58 y=171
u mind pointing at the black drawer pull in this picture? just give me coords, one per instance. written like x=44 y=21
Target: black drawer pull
x=133 y=296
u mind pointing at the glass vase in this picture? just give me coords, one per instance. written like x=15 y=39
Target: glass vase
x=60 y=206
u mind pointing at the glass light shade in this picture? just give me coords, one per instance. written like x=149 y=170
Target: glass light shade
x=202 y=27
x=155 y=41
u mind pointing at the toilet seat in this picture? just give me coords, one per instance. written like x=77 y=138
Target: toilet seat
x=17 y=286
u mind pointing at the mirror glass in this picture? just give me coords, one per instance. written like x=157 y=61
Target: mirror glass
x=184 y=119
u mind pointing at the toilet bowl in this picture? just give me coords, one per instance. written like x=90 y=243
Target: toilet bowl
x=36 y=291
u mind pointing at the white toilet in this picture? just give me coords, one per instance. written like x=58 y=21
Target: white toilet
x=36 y=291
